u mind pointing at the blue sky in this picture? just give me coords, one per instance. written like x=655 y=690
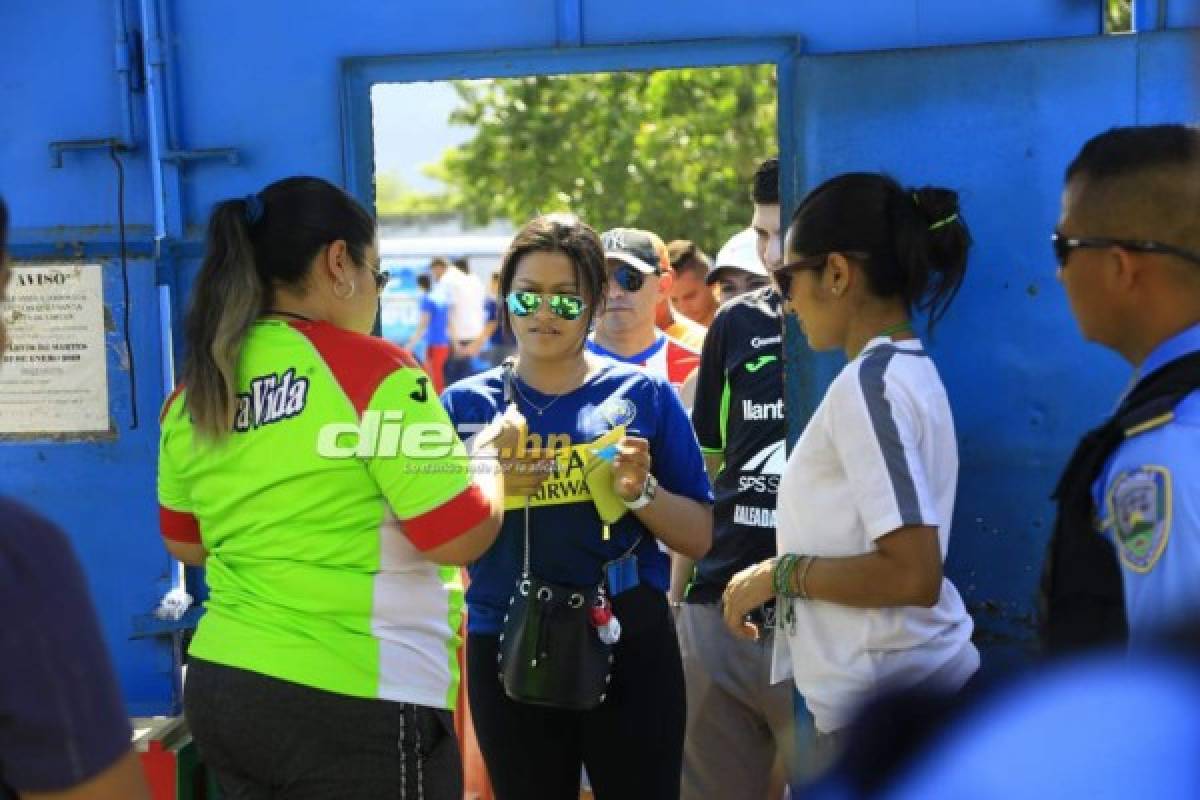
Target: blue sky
x=411 y=129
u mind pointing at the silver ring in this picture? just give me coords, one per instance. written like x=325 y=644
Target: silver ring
x=523 y=588
x=576 y=600
x=544 y=594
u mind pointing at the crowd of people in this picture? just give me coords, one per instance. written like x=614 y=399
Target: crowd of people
x=656 y=584
x=458 y=328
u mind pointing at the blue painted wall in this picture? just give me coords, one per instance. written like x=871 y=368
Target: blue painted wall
x=267 y=79
x=1000 y=123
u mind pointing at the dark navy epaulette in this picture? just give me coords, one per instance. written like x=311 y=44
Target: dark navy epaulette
x=1152 y=415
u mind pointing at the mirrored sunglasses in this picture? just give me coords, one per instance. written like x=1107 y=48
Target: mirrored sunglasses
x=565 y=306
x=628 y=278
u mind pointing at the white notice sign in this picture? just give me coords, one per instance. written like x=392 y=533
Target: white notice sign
x=52 y=376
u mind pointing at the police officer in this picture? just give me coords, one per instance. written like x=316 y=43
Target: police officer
x=1128 y=249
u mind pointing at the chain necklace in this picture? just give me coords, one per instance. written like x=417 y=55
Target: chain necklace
x=539 y=409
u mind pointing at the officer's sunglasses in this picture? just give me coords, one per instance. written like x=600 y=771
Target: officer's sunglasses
x=1064 y=245
x=565 y=306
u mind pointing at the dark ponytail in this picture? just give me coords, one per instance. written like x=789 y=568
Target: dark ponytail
x=255 y=244
x=226 y=300
x=915 y=241
x=932 y=248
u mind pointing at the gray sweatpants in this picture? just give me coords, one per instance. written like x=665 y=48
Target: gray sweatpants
x=737 y=720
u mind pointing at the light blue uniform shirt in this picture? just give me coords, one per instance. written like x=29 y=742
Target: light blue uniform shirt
x=1148 y=502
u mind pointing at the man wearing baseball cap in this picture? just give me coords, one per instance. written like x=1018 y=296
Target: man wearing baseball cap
x=638 y=280
x=738 y=268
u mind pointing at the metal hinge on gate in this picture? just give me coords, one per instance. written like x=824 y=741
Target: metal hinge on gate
x=230 y=154
x=111 y=143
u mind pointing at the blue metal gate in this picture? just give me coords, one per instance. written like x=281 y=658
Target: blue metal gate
x=999 y=123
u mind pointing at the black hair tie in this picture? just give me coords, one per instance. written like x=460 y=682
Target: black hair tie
x=934 y=224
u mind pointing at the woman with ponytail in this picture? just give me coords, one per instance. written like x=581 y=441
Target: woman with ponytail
x=866 y=499
x=326 y=662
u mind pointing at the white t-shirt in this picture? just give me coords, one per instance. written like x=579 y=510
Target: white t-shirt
x=878 y=454
x=463 y=295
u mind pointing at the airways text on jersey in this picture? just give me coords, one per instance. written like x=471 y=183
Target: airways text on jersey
x=271 y=398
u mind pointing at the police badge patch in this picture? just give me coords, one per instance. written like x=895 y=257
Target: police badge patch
x=1139 y=504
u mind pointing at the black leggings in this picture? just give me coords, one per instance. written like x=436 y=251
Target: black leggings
x=267 y=738
x=632 y=744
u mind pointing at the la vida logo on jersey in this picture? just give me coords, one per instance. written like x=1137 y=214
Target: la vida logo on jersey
x=271 y=398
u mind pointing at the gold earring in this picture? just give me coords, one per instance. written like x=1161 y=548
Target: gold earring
x=348 y=294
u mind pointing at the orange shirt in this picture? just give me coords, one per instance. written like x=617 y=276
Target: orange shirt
x=687 y=331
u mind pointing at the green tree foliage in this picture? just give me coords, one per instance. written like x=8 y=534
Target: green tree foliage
x=1118 y=16
x=671 y=151
x=393 y=197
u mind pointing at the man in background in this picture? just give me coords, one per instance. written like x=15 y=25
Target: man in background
x=691 y=294
x=431 y=329
x=667 y=320
x=765 y=221
x=637 y=287
x=463 y=296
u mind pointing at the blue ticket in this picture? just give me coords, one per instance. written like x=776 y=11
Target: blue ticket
x=622 y=574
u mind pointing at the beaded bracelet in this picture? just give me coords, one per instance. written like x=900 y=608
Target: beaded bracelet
x=789 y=575
x=801 y=589
x=781 y=577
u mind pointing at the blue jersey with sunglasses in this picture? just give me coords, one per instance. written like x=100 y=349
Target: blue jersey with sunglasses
x=567 y=542
x=1147 y=501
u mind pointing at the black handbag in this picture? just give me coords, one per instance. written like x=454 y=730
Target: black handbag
x=550 y=652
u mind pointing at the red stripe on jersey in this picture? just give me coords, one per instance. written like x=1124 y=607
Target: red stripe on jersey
x=449 y=520
x=178 y=526
x=359 y=362
x=681 y=361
